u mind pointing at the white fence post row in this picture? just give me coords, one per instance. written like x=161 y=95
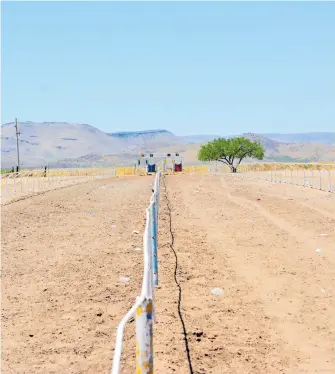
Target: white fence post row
x=23 y=183
x=304 y=178
x=299 y=176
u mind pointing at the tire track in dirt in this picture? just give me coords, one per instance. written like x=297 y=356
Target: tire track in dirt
x=39 y=193
x=294 y=276
x=291 y=193
x=303 y=236
x=283 y=215
x=323 y=212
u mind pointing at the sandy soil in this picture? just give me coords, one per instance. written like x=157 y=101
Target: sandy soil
x=63 y=259
x=277 y=310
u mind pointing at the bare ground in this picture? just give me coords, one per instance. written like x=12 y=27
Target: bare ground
x=63 y=259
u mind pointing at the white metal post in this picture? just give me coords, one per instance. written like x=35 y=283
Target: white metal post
x=7 y=192
x=144 y=338
x=304 y=176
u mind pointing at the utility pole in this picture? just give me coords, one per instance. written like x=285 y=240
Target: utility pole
x=17 y=145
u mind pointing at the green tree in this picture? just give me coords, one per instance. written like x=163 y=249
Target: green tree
x=231 y=151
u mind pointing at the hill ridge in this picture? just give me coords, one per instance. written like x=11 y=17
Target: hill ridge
x=45 y=142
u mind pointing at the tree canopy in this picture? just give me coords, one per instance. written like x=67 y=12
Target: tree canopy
x=231 y=151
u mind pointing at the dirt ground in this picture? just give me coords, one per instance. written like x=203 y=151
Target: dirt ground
x=64 y=254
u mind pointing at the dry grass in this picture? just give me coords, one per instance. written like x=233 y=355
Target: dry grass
x=282 y=166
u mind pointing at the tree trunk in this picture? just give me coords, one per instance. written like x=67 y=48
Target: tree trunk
x=233 y=169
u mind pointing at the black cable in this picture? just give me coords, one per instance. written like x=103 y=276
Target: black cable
x=177 y=283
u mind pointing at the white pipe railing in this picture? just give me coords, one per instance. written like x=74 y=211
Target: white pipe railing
x=144 y=308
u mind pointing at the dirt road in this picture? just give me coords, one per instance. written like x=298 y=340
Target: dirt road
x=64 y=254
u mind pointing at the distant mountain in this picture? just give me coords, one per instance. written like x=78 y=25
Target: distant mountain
x=49 y=142
x=149 y=134
x=63 y=144
x=268 y=143
x=278 y=152
x=162 y=136
x=308 y=137
x=146 y=139
x=41 y=143
x=294 y=152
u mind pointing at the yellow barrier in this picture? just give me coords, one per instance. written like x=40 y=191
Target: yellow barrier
x=125 y=170
x=199 y=169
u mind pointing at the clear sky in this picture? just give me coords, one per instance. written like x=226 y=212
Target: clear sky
x=192 y=68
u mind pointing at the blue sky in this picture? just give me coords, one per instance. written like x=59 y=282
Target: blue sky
x=192 y=68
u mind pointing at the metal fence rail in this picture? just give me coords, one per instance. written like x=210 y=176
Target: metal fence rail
x=144 y=308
